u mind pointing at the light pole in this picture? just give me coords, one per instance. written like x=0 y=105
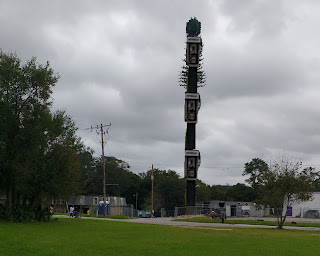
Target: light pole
x=136 y=195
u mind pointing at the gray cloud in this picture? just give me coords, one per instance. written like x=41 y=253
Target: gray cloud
x=263 y=18
x=119 y=62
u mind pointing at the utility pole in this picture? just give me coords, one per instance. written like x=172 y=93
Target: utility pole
x=118 y=193
x=100 y=130
x=137 y=201
x=192 y=106
x=152 y=179
x=104 y=172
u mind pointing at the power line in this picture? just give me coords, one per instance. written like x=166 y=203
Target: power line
x=108 y=146
x=161 y=164
x=206 y=167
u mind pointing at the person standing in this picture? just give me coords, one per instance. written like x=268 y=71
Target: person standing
x=51 y=210
x=71 y=211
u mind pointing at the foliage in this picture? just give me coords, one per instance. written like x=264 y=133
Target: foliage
x=169 y=189
x=238 y=192
x=38 y=149
x=24 y=214
x=202 y=192
x=90 y=175
x=255 y=168
x=219 y=192
x=125 y=183
x=241 y=192
x=281 y=184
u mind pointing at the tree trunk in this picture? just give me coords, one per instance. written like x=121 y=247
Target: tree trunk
x=9 y=197
x=15 y=201
x=283 y=218
x=278 y=216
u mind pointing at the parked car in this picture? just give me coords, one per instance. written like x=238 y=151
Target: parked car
x=312 y=214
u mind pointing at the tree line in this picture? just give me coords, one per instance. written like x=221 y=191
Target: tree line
x=169 y=186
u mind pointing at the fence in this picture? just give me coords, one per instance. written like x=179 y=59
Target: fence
x=230 y=211
x=128 y=210
x=190 y=210
x=226 y=211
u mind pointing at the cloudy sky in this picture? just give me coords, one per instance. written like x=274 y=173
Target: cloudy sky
x=119 y=62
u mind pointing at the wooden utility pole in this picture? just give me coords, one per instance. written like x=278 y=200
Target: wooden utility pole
x=137 y=201
x=152 y=178
x=103 y=162
x=104 y=173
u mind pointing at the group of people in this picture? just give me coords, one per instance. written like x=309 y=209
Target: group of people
x=73 y=212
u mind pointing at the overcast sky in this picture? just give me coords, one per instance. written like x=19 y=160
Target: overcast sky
x=119 y=62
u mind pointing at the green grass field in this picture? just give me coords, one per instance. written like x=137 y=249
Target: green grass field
x=250 y=222
x=98 y=237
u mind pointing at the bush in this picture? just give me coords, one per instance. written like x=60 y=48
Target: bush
x=24 y=214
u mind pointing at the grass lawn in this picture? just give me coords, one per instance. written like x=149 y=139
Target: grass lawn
x=250 y=222
x=97 y=237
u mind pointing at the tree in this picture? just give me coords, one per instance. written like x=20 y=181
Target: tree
x=117 y=172
x=283 y=183
x=38 y=149
x=241 y=192
x=89 y=172
x=202 y=192
x=169 y=189
x=219 y=192
x=254 y=168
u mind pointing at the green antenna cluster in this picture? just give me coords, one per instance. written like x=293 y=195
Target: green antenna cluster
x=193 y=27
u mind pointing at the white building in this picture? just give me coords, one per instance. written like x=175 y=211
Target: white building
x=308 y=209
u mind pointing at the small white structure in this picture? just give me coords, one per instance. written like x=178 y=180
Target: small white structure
x=306 y=209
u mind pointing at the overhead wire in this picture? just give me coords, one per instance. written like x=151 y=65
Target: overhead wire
x=206 y=167
x=180 y=166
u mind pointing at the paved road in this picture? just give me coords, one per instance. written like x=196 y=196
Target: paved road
x=169 y=222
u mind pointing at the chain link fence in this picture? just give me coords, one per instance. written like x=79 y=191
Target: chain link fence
x=227 y=211
x=190 y=211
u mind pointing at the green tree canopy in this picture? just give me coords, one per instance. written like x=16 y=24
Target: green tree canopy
x=169 y=189
x=255 y=168
x=117 y=172
x=281 y=184
x=38 y=149
x=241 y=192
x=202 y=192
